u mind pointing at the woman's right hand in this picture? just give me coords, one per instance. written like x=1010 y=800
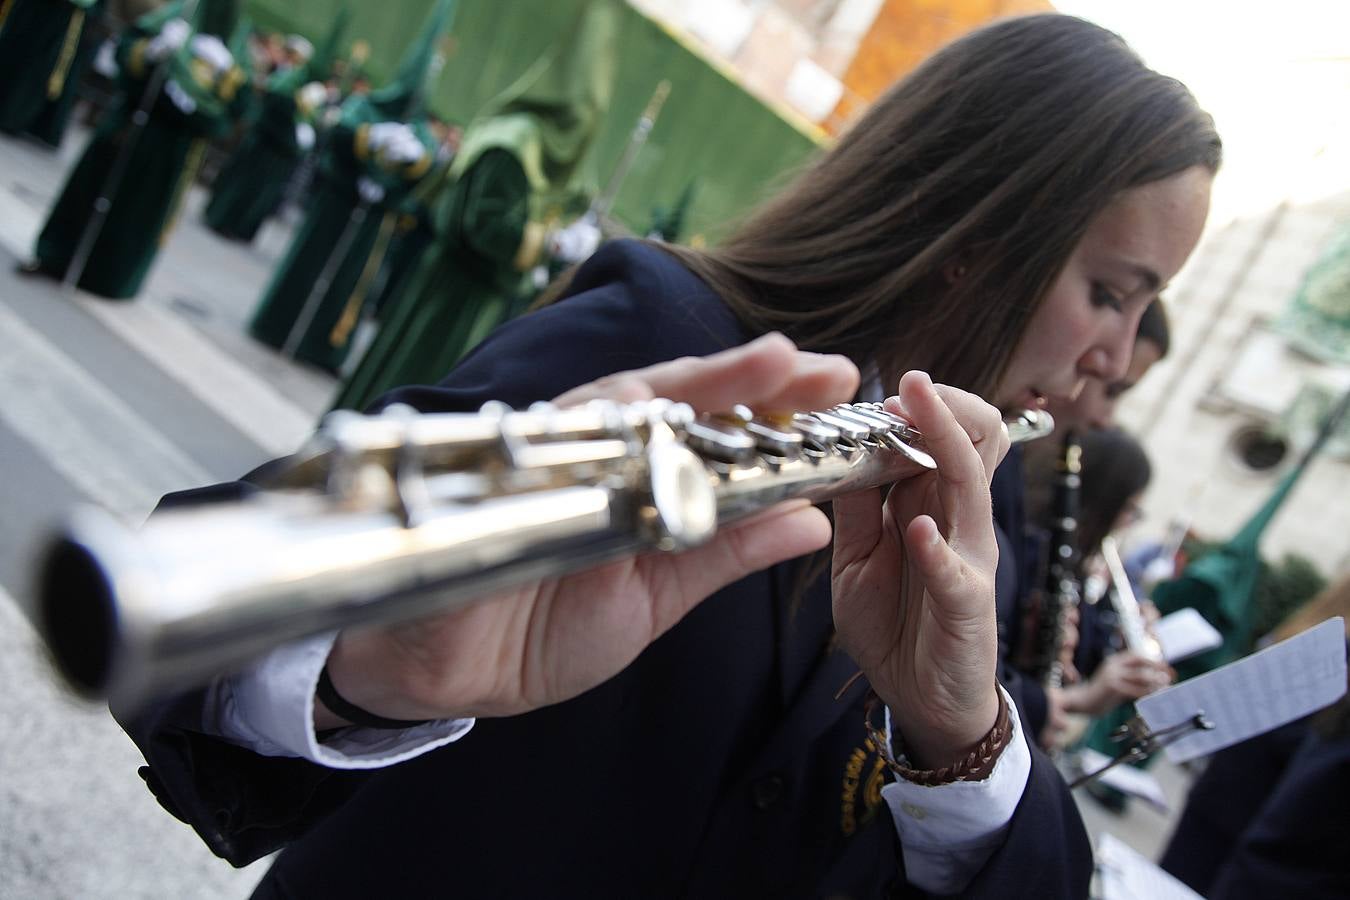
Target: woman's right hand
x=1121 y=677
x=552 y=640
x=913 y=577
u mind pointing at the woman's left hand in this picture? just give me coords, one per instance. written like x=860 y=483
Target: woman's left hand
x=913 y=578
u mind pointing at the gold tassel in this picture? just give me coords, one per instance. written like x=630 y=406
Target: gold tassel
x=342 y=328
x=57 y=82
x=136 y=58
x=231 y=83
x=196 y=153
x=419 y=168
x=5 y=7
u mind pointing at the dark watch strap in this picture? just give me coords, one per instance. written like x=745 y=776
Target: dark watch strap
x=355 y=714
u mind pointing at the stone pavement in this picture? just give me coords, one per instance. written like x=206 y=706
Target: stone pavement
x=117 y=404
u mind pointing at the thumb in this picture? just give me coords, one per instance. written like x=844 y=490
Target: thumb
x=944 y=574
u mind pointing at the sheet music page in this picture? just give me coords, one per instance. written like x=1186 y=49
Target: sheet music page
x=1126 y=779
x=1185 y=633
x=1125 y=874
x=1279 y=684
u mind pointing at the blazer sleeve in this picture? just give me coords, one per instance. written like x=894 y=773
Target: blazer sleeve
x=1047 y=853
x=633 y=306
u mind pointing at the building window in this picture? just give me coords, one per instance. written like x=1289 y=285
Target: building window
x=1257 y=448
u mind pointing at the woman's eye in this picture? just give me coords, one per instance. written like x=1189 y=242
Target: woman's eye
x=1102 y=297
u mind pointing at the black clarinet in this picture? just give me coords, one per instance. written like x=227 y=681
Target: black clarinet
x=1061 y=591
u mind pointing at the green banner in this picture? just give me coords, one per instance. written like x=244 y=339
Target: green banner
x=710 y=129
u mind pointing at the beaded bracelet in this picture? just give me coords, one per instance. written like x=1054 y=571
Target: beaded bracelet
x=974 y=766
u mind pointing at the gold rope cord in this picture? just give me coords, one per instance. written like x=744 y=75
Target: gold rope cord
x=196 y=153
x=362 y=145
x=5 y=7
x=342 y=329
x=57 y=82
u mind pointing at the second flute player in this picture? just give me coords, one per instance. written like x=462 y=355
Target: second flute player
x=1000 y=219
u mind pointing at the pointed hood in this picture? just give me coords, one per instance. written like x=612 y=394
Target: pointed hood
x=1221 y=585
x=326 y=51
x=404 y=97
x=218 y=17
x=668 y=223
x=550 y=115
x=320 y=62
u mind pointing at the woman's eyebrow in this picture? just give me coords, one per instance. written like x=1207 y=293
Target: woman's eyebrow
x=1149 y=279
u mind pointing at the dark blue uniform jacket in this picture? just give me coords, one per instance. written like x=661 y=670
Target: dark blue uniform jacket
x=719 y=764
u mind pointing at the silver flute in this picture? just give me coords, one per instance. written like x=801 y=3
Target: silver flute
x=1133 y=629
x=391 y=517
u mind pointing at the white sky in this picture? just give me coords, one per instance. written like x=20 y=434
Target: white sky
x=1275 y=76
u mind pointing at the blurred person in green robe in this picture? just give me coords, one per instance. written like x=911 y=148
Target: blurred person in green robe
x=517 y=157
x=405 y=234
x=252 y=185
x=380 y=149
x=43 y=55
x=204 y=93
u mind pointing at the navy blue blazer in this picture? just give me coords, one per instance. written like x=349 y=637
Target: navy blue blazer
x=1268 y=818
x=718 y=764
x=1016 y=566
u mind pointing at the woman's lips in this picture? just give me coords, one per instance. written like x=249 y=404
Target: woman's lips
x=1033 y=399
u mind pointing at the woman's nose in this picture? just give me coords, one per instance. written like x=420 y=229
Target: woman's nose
x=1109 y=359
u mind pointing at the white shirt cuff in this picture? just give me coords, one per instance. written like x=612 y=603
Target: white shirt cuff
x=269 y=708
x=949 y=832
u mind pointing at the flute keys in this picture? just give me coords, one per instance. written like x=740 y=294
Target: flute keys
x=776 y=436
x=720 y=440
x=876 y=425
x=899 y=427
x=849 y=428
x=820 y=437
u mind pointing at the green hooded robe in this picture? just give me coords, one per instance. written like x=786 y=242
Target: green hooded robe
x=517 y=154
x=252 y=185
x=338 y=216
x=164 y=158
x=43 y=55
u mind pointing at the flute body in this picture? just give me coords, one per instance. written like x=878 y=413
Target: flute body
x=392 y=517
x=1133 y=629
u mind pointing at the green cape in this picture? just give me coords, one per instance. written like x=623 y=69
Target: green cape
x=547 y=118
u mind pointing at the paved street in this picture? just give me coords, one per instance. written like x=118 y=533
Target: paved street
x=117 y=404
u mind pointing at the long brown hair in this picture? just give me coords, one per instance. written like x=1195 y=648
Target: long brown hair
x=1115 y=471
x=995 y=154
